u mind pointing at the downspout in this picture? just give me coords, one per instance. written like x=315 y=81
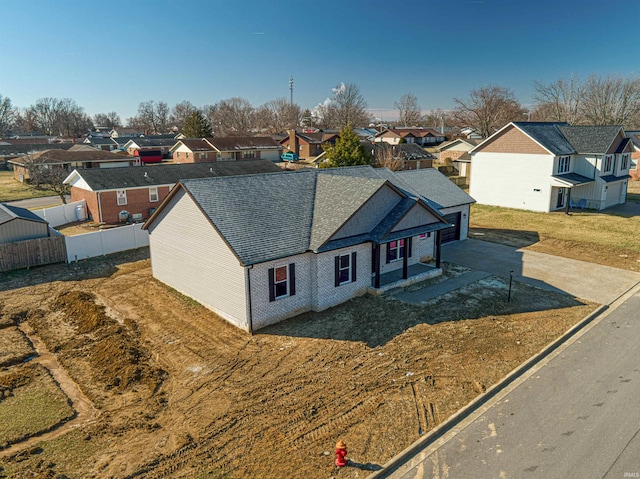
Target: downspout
x=99 y=209
x=249 y=318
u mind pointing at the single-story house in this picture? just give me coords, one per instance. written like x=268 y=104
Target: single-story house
x=258 y=249
x=20 y=224
x=232 y=148
x=101 y=142
x=457 y=152
x=547 y=166
x=308 y=145
x=10 y=151
x=193 y=150
x=78 y=156
x=150 y=149
x=420 y=136
x=405 y=156
x=139 y=190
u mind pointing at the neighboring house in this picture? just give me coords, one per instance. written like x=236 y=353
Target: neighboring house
x=308 y=145
x=457 y=152
x=120 y=132
x=150 y=149
x=420 y=136
x=139 y=190
x=546 y=166
x=634 y=136
x=10 y=151
x=68 y=160
x=258 y=249
x=245 y=148
x=20 y=224
x=193 y=150
x=100 y=142
x=405 y=156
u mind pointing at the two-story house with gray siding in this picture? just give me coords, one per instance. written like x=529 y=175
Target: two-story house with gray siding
x=261 y=248
x=547 y=166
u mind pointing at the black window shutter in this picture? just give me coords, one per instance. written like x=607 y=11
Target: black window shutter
x=410 y=241
x=388 y=248
x=272 y=286
x=353 y=266
x=337 y=272
x=292 y=279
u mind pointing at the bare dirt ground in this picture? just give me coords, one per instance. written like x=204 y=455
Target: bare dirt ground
x=180 y=393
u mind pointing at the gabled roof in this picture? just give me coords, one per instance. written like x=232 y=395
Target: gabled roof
x=194 y=144
x=152 y=142
x=416 y=132
x=622 y=145
x=61 y=156
x=100 y=140
x=28 y=148
x=589 y=139
x=100 y=179
x=548 y=135
x=405 y=151
x=8 y=213
x=266 y=217
x=235 y=143
x=432 y=184
x=469 y=141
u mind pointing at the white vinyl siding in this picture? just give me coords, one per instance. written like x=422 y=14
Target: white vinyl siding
x=189 y=255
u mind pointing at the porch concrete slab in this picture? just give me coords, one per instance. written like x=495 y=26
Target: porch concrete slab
x=590 y=281
x=451 y=284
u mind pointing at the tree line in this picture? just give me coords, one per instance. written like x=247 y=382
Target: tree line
x=596 y=100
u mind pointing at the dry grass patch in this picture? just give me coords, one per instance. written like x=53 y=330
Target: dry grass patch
x=12 y=190
x=30 y=403
x=14 y=346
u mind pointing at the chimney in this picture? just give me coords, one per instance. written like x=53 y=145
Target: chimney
x=293 y=141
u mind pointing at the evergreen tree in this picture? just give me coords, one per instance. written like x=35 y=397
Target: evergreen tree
x=197 y=126
x=348 y=151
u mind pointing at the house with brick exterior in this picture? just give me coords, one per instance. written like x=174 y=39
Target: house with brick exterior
x=193 y=150
x=77 y=156
x=150 y=149
x=308 y=145
x=139 y=190
x=420 y=136
x=547 y=166
x=258 y=249
x=404 y=156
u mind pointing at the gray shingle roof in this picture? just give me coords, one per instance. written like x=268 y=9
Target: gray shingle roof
x=234 y=143
x=9 y=212
x=100 y=179
x=590 y=139
x=432 y=184
x=265 y=217
x=548 y=135
x=151 y=142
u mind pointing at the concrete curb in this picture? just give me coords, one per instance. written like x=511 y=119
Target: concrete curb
x=404 y=456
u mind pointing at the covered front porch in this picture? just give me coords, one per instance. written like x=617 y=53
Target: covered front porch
x=416 y=273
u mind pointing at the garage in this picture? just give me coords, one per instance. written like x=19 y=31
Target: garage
x=452 y=233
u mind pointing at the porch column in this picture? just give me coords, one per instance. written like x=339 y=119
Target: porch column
x=405 y=259
x=376 y=265
x=438 y=247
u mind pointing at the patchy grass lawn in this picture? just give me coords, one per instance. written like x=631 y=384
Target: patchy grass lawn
x=14 y=346
x=597 y=237
x=31 y=402
x=12 y=190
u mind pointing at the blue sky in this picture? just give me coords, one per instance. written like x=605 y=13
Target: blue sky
x=110 y=56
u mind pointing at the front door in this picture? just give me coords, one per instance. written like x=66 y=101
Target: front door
x=561 y=197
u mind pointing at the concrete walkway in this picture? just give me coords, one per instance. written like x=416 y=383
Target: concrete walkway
x=590 y=281
x=426 y=294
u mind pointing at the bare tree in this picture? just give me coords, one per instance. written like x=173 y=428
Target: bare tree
x=47 y=177
x=231 y=117
x=346 y=106
x=559 y=101
x=180 y=113
x=152 y=117
x=488 y=109
x=611 y=100
x=386 y=156
x=25 y=120
x=46 y=112
x=409 y=113
x=111 y=119
x=6 y=115
x=281 y=114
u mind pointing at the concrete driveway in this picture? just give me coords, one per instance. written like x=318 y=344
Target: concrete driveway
x=593 y=282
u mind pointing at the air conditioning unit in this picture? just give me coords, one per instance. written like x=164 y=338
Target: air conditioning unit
x=137 y=217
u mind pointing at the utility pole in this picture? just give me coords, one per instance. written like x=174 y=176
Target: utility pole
x=291 y=89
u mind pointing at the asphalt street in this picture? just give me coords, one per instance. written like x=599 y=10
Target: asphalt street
x=575 y=414
x=43 y=202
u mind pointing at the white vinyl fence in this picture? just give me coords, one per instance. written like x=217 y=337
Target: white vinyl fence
x=105 y=241
x=63 y=214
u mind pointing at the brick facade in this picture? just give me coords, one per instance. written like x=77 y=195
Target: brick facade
x=137 y=202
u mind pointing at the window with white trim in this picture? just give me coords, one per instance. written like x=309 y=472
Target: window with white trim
x=282 y=282
x=121 y=195
x=249 y=154
x=634 y=164
x=564 y=162
x=624 y=163
x=607 y=164
x=153 y=194
x=203 y=156
x=395 y=250
x=345 y=269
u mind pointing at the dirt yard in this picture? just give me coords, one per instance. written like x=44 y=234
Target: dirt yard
x=180 y=393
